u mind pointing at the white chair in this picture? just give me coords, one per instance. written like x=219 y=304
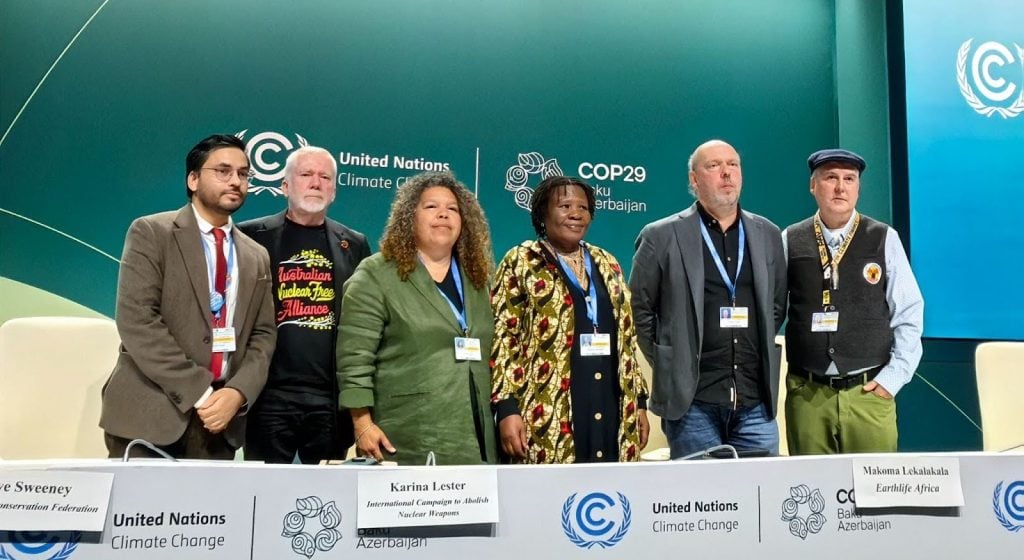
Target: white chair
x=51 y=373
x=780 y=415
x=999 y=368
x=657 y=444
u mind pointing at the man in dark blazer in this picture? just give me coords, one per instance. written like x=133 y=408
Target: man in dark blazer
x=195 y=318
x=311 y=258
x=709 y=295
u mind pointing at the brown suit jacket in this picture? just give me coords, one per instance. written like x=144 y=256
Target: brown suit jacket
x=163 y=317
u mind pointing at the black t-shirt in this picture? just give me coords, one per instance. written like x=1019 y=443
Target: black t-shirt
x=304 y=301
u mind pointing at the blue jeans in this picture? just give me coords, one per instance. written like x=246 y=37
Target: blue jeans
x=708 y=425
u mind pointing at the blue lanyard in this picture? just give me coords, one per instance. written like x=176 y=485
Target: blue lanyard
x=591 y=293
x=718 y=260
x=211 y=270
x=460 y=316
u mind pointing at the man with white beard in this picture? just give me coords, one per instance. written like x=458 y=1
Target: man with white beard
x=311 y=257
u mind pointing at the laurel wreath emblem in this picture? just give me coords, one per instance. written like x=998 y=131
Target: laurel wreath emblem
x=257 y=189
x=998 y=509
x=63 y=554
x=968 y=92
x=627 y=518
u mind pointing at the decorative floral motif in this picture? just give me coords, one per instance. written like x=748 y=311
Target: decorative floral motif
x=312 y=507
x=310 y=258
x=814 y=521
x=538 y=411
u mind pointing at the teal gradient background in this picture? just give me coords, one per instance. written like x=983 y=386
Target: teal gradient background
x=103 y=139
x=966 y=170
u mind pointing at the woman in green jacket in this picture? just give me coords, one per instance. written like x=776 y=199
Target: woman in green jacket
x=415 y=331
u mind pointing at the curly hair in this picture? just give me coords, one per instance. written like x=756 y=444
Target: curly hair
x=543 y=193
x=473 y=247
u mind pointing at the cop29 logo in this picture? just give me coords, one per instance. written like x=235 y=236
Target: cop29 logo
x=529 y=164
x=812 y=522
x=37 y=546
x=300 y=526
x=1008 y=505
x=596 y=520
x=267 y=152
x=994 y=88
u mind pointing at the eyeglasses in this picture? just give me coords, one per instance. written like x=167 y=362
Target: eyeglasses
x=224 y=174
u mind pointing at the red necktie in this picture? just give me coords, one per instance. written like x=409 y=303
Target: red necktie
x=220 y=280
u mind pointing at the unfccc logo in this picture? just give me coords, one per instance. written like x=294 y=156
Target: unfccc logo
x=267 y=152
x=38 y=546
x=1008 y=505
x=601 y=520
x=993 y=87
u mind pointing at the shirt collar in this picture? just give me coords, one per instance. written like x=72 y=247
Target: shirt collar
x=712 y=222
x=829 y=234
x=206 y=227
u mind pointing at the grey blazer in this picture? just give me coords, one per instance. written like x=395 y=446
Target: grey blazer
x=163 y=318
x=667 y=282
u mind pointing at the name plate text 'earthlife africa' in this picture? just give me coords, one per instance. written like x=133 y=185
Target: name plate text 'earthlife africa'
x=424 y=496
x=53 y=500
x=900 y=481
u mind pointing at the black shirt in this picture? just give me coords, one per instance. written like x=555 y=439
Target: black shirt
x=594 y=382
x=451 y=290
x=304 y=294
x=730 y=359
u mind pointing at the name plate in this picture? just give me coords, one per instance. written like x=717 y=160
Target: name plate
x=427 y=496
x=907 y=482
x=54 y=500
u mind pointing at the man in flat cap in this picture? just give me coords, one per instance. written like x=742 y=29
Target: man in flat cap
x=855 y=319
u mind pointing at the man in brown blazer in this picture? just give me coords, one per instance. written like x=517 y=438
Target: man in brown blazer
x=195 y=316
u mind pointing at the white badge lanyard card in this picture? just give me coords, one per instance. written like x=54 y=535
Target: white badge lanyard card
x=467 y=348
x=596 y=343
x=223 y=332
x=732 y=316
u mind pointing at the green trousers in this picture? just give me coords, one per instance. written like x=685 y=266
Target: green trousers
x=822 y=420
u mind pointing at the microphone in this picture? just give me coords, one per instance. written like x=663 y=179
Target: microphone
x=147 y=445
x=708 y=451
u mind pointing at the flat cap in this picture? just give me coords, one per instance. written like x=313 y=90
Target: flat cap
x=821 y=157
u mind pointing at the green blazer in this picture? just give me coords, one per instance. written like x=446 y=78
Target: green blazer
x=396 y=354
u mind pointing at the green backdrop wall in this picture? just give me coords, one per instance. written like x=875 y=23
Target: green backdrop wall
x=492 y=90
x=471 y=85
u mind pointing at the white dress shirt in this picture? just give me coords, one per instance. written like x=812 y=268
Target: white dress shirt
x=209 y=250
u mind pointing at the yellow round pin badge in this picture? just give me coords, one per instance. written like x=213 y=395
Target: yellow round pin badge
x=872 y=273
